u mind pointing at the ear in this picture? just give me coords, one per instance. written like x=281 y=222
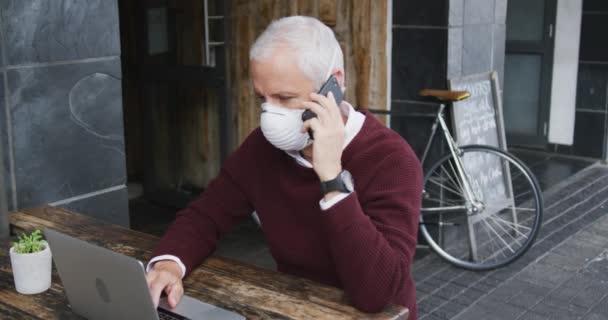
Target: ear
x=340 y=76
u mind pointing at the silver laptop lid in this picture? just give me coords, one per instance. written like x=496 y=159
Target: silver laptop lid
x=103 y=284
x=100 y=283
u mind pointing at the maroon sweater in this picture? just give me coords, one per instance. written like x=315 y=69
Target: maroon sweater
x=363 y=244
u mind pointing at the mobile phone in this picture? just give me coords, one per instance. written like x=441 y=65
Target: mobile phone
x=331 y=85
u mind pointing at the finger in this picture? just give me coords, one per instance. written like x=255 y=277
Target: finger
x=328 y=101
x=150 y=276
x=313 y=124
x=322 y=113
x=168 y=289
x=155 y=291
x=156 y=288
x=320 y=99
x=177 y=291
x=335 y=111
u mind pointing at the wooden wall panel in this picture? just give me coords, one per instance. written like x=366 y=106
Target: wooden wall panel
x=327 y=12
x=157 y=150
x=360 y=27
x=243 y=29
x=196 y=129
x=198 y=137
x=308 y=8
x=289 y=8
x=378 y=85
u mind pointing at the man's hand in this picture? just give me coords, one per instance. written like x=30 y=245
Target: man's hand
x=329 y=135
x=165 y=276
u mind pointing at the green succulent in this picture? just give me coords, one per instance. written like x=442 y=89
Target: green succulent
x=29 y=244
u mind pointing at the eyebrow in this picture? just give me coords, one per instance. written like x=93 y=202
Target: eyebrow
x=278 y=94
x=285 y=93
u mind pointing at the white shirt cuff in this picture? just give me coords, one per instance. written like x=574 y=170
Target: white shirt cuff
x=167 y=257
x=328 y=204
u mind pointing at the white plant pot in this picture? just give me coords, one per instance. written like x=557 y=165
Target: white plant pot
x=32 y=271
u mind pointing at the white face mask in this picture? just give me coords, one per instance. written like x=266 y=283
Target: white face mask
x=282 y=127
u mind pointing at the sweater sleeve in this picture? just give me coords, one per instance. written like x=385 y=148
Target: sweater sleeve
x=373 y=242
x=193 y=235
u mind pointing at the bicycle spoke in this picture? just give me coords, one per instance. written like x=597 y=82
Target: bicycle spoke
x=499 y=251
x=498 y=235
x=523 y=194
x=444 y=201
x=451 y=178
x=513 y=178
x=443 y=186
x=492 y=241
x=527 y=219
x=510 y=226
x=457 y=177
x=509 y=207
x=516 y=225
x=507 y=232
x=447 y=173
x=443 y=174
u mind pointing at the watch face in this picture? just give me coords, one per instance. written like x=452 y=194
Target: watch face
x=347 y=178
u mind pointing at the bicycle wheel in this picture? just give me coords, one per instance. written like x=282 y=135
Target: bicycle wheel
x=494 y=228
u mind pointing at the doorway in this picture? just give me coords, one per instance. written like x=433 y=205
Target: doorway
x=528 y=68
x=175 y=100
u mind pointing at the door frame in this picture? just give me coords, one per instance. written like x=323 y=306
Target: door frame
x=545 y=49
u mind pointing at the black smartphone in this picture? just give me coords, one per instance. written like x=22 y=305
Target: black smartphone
x=331 y=85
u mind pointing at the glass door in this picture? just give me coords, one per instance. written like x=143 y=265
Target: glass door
x=528 y=66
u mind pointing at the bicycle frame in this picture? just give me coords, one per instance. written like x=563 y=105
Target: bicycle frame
x=453 y=147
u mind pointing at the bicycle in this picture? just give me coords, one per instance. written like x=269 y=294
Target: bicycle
x=470 y=226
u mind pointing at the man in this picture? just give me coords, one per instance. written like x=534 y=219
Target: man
x=317 y=225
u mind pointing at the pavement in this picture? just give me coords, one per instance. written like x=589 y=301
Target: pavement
x=563 y=276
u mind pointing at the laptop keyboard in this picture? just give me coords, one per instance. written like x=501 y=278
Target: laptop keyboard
x=164 y=314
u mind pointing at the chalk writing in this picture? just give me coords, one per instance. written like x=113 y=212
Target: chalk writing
x=475 y=122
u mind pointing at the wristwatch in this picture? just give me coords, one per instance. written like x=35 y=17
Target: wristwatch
x=343 y=183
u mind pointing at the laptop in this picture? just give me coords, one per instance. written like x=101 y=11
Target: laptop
x=103 y=284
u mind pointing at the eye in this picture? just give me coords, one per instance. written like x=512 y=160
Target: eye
x=285 y=98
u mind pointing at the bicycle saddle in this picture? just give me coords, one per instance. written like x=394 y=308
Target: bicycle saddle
x=444 y=95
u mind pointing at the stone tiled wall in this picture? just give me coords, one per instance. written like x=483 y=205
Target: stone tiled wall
x=61 y=106
x=591 y=124
x=434 y=41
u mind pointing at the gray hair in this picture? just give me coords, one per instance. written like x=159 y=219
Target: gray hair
x=314 y=42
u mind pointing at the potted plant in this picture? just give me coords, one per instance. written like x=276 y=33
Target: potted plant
x=31 y=262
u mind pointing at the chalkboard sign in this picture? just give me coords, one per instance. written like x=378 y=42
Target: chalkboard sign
x=478 y=120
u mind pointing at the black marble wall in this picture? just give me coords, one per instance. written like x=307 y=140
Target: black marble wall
x=61 y=106
x=591 y=124
x=434 y=41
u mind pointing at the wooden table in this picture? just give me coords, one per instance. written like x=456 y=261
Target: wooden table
x=251 y=291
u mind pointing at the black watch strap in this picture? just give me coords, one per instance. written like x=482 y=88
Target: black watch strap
x=338 y=184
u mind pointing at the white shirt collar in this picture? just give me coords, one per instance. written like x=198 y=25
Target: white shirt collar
x=354 y=123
